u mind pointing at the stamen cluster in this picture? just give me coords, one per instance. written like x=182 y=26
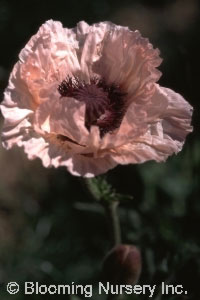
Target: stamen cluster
x=105 y=103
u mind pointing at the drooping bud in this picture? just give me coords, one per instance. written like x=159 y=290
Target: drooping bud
x=122 y=265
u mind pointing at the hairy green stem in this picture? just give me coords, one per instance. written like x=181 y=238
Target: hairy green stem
x=113 y=221
x=111 y=206
x=114 y=227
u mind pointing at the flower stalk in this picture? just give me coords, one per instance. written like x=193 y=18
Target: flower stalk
x=113 y=221
x=122 y=264
x=103 y=193
x=111 y=209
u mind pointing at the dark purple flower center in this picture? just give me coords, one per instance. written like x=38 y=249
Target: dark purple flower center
x=105 y=104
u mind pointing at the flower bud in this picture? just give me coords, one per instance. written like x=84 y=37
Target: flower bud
x=122 y=265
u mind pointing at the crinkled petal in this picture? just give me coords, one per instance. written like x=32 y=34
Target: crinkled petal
x=177 y=117
x=90 y=40
x=47 y=59
x=17 y=124
x=137 y=119
x=52 y=48
x=144 y=149
x=14 y=115
x=81 y=165
x=130 y=61
x=64 y=116
x=14 y=135
x=17 y=94
x=37 y=147
x=165 y=136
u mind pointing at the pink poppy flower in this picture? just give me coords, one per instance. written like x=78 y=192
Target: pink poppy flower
x=87 y=98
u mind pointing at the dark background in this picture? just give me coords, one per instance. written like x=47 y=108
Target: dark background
x=51 y=231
